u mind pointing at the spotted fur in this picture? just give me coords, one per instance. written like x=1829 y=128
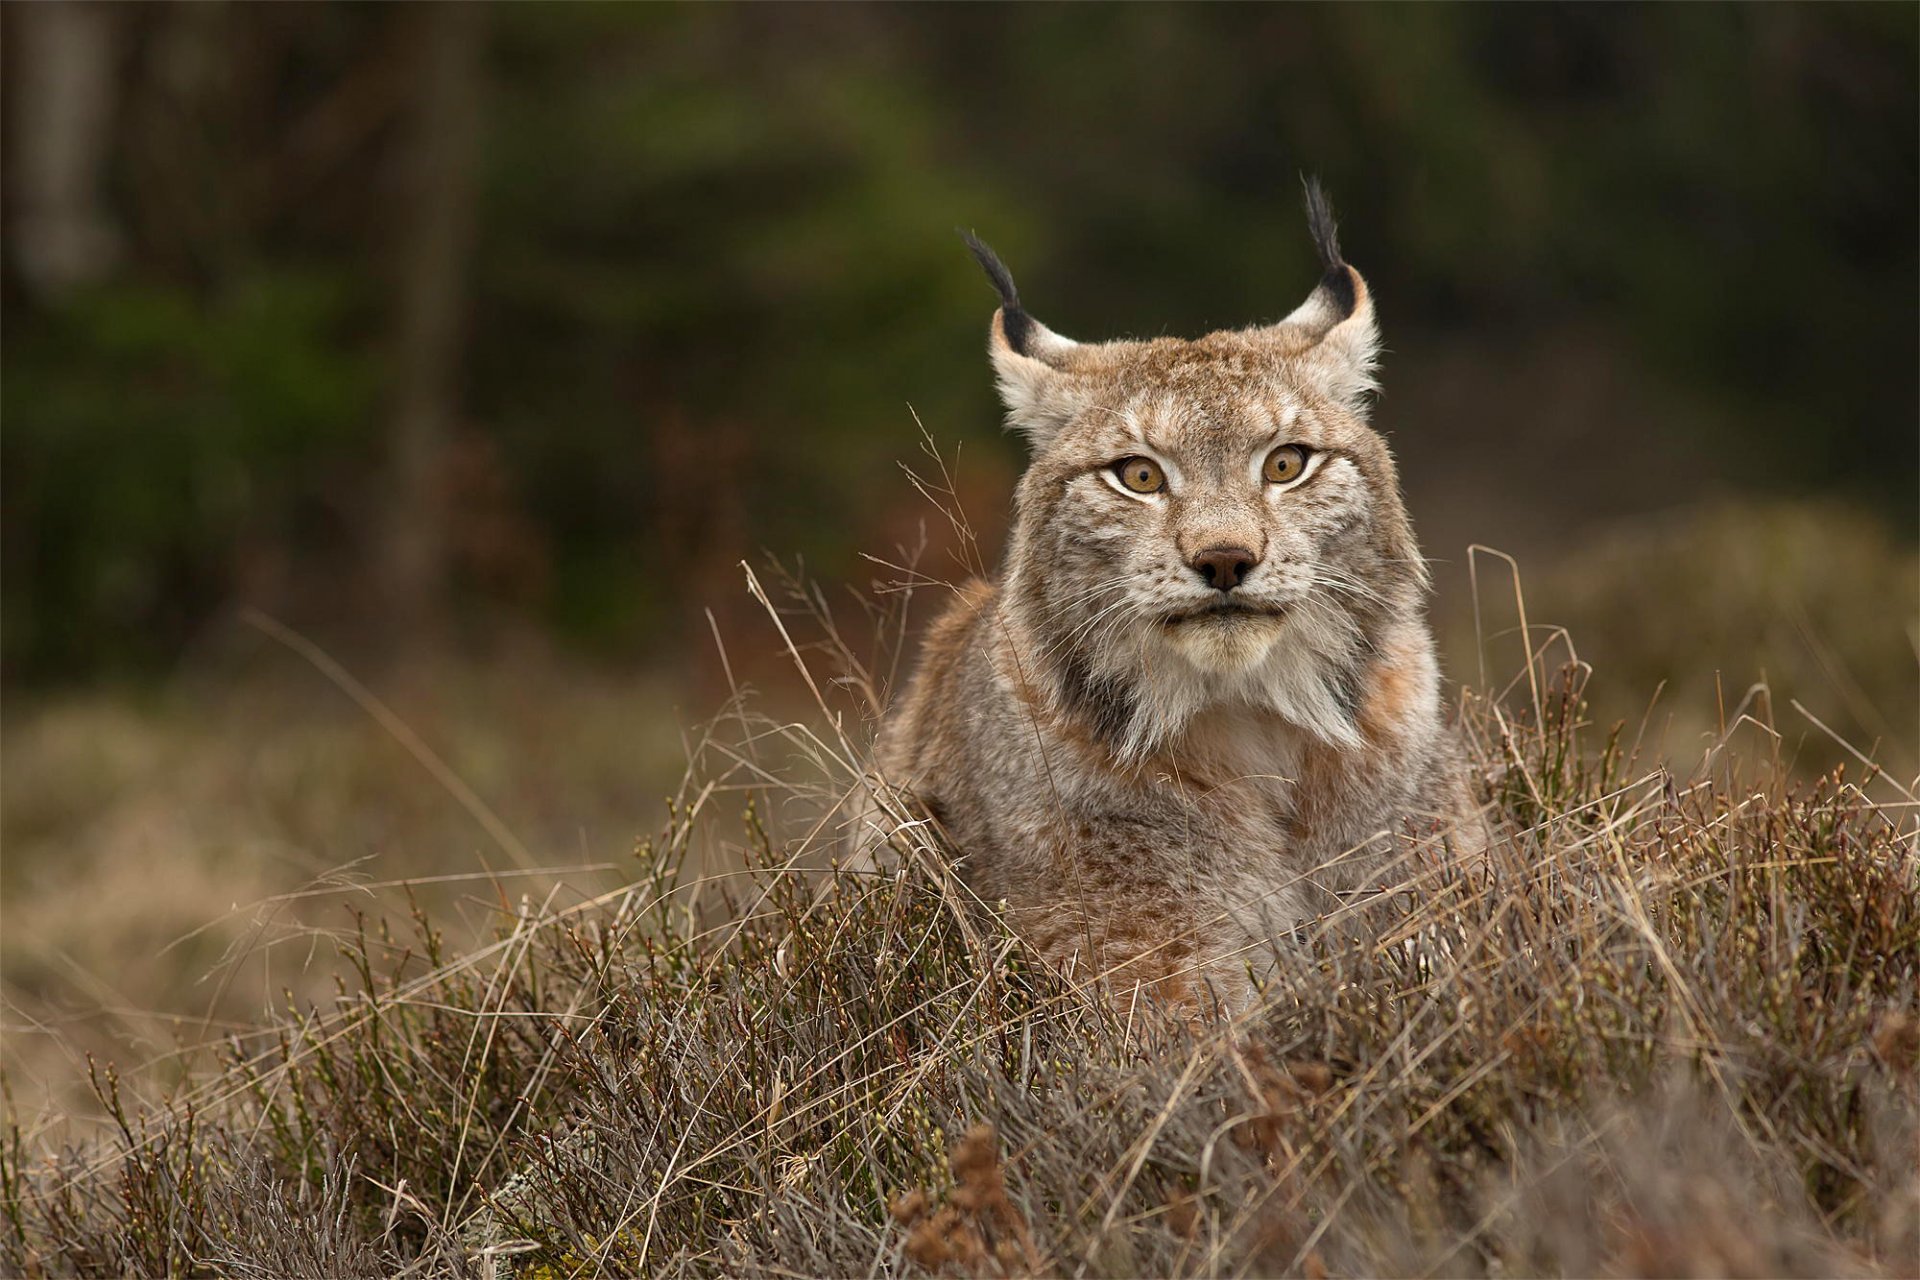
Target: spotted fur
x=1159 y=788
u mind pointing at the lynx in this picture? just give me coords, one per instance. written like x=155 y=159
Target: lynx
x=1201 y=698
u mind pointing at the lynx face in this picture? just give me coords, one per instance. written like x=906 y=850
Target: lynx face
x=1205 y=522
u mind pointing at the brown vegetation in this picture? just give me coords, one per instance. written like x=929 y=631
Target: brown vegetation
x=1665 y=1026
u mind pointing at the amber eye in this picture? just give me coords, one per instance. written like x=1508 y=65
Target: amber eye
x=1142 y=475
x=1285 y=463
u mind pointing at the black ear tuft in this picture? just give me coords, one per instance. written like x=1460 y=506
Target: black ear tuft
x=996 y=270
x=1338 y=280
x=1014 y=318
x=1326 y=234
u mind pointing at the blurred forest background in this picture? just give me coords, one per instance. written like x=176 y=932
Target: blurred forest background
x=480 y=344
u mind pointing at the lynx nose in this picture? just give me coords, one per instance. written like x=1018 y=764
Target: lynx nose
x=1224 y=568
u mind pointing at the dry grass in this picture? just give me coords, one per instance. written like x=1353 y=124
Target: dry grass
x=1683 y=612
x=176 y=862
x=1668 y=1025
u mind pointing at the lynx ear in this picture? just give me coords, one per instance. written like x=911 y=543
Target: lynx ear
x=1029 y=360
x=1332 y=335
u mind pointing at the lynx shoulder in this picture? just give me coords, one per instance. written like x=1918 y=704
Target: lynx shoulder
x=1201 y=696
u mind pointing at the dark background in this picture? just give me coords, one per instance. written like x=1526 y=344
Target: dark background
x=399 y=321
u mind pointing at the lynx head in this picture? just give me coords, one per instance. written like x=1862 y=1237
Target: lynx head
x=1204 y=522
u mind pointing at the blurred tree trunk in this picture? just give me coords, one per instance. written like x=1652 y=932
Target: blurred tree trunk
x=62 y=121
x=440 y=181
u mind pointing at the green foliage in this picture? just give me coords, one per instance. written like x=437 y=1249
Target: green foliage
x=716 y=264
x=151 y=437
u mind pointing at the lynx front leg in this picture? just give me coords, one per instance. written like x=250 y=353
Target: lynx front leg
x=1141 y=946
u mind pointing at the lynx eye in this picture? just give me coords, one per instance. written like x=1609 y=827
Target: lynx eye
x=1142 y=475
x=1285 y=464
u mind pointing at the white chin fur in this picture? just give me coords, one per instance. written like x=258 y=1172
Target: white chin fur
x=1224 y=644
x=1283 y=665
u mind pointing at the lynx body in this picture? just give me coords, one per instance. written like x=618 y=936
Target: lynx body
x=1202 y=697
